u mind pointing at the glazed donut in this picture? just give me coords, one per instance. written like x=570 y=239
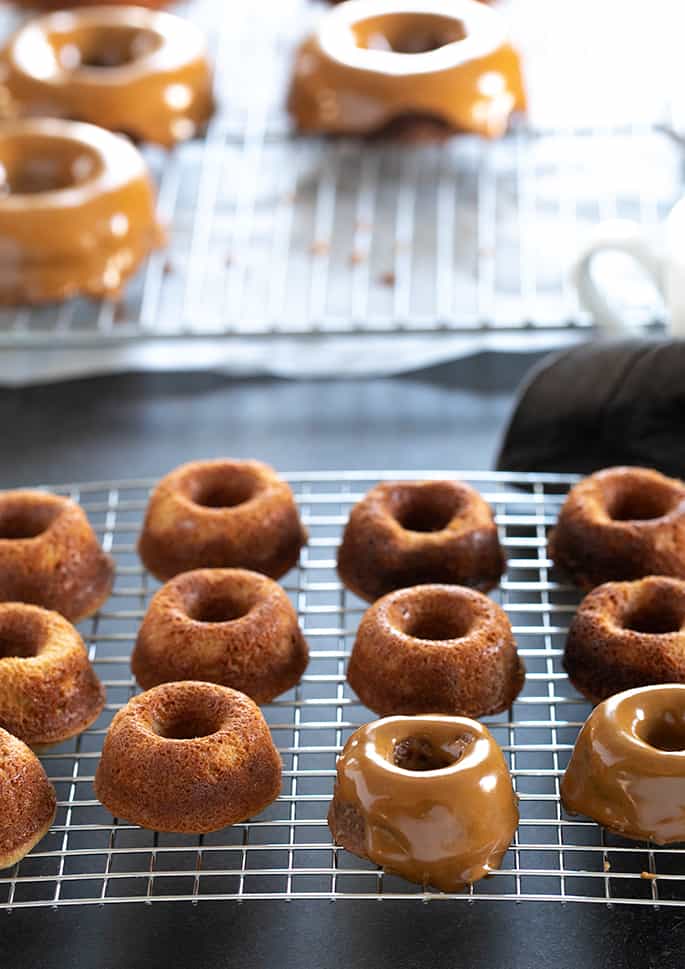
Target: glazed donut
x=627 y=634
x=627 y=770
x=48 y=689
x=27 y=800
x=49 y=555
x=77 y=211
x=621 y=523
x=408 y=533
x=226 y=626
x=374 y=61
x=221 y=514
x=429 y=798
x=188 y=757
x=435 y=649
x=131 y=70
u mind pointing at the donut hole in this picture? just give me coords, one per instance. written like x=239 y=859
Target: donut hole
x=224 y=489
x=639 y=502
x=408 y=33
x=22 y=634
x=425 y=508
x=25 y=521
x=420 y=753
x=664 y=732
x=188 y=726
x=436 y=620
x=656 y=616
x=103 y=47
x=217 y=608
x=33 y=165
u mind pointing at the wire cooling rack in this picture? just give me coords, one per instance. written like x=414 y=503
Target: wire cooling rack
x=286 y=853
x=273 y=234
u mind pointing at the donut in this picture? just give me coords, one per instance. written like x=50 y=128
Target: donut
x=429 y=798
x=627 y=769
x=372 y=62
x=221 y=514
x=48 y=689
x=77 y=211
x=408 y=533
x=188 y=757
x=49 y=555
x=621 y=524
x=27 y=800
x=435 y=649
x=627 y=634
x=137 y=71
x=226 y=626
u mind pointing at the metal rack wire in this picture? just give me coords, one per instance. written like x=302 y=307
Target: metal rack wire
x=274 y=235
x=286 y=853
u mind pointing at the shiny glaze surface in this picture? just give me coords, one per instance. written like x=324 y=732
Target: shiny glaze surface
x=472 y=84
x=128 y=69
x=445 y=827
x=620 y=774
x=77 y=214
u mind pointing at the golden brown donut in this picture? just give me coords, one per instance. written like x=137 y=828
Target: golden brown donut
x=221 y=514
x=435 y=649
x=48 y=690
x=49 y=555
x=188 y=757
x=27 y=800
x=373 y=61
x=137 y=71
x=627 y=634
x=621 y=524
x=627 y=770
x=226 y=626
x=429 y=798
x=77 y=211
x=408 y=533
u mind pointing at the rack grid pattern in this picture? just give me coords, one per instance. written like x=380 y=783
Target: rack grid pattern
x=286 y=853
x=273 y=234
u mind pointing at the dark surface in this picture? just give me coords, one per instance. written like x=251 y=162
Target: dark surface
x=142 y=426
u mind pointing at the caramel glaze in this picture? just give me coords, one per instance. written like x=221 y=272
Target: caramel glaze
x=627 y=770
x=620 y=524
x=137 y=71
x=27 y=800
x=77 y=211
x=188 y=757
x=429 y=798
x=435 y=649
x=373 y=61
x=227 y=626
x=407 y=533
x=221 y=514
x=48 y=690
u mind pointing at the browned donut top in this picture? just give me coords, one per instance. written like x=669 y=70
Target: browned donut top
x=626 y=499
x=27 y=798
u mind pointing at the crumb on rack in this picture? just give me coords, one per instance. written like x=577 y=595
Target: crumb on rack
x=357 y=256
x=606 y=865
x=649 y=876
x=168 y=269
x=387 y=279
x=320 y=247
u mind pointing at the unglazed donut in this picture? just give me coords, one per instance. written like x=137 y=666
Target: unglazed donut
x=627 y=770
x=435 y=649
x=408 y=533
x=131 y=70
x=374 y=61
x=77 y=211
x=225 y=626
x=621 y=523
x=188 y=757
x=27 y=800
x=627 y=634
x=429 y=798
x=48 y=689
x=49 y=555
x=221 y=514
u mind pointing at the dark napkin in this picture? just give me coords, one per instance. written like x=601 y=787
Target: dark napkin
x=601 y=404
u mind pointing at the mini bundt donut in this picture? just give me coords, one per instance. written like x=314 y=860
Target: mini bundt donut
x=49 y=555
x=627 y=634
x=621 y=524
x=435 y=649
x=408 y=533
x=428 y=797
x=27 y=800
x=141 y=72
x=226 y=626
x=221 y=514
x=627 y=770
x=48 y=689
x=188 y=757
